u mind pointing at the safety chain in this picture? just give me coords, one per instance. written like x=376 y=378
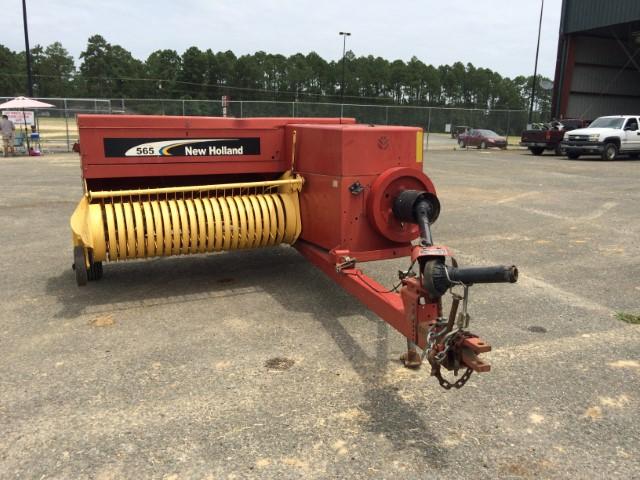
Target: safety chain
x=446 y=384
x=437 y=359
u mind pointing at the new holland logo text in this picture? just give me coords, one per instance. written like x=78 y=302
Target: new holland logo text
x=181 y=147
x=186 y=148
x=213 y=151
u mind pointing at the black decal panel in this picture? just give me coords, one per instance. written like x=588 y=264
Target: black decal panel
x=181 y=147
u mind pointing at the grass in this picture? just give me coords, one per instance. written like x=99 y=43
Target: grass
x=54 y=128
x=628 y=318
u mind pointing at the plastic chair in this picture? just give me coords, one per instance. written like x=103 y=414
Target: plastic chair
x=18 y=142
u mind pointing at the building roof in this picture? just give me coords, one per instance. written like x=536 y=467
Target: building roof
x=581 y=15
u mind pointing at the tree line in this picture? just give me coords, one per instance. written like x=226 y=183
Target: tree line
x=107 y=70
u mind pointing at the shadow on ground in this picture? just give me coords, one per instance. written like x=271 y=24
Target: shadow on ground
x=295 y=284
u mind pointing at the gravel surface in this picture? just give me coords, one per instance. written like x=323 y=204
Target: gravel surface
x=253 y=364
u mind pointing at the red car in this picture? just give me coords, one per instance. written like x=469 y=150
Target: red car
x=481 y=139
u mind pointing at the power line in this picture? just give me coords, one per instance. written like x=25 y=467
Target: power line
x=203 y=85
x=384 y=100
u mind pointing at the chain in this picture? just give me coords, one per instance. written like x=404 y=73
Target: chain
x=446 y=384
x=433 y=335
x=444 y=326
x=450 y=339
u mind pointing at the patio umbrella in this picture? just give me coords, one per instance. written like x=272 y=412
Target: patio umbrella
x=23 y=103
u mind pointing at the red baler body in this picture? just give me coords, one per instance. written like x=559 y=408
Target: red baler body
x=159 y=185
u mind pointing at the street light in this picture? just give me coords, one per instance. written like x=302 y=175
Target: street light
x=535 y=68
x=344 y=51
x=26 y=50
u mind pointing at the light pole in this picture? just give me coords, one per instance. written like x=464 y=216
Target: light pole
x=344 y=51
x=27 y=51
x=535 y=68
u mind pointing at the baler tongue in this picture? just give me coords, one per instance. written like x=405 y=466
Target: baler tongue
x=445 y=341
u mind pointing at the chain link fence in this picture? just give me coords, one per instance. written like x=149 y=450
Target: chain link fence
x=58 y=131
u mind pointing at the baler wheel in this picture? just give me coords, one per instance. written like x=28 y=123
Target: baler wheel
x=95 y=271
x=80 y=266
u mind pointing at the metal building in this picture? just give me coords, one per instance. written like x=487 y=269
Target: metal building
x=598 y=65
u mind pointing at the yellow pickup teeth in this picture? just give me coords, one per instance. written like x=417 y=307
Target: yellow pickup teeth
x=246 y=222
x=162 y=222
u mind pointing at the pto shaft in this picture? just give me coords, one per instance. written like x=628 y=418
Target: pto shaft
x=438 y=277
x=495 y=274
x=421 y=208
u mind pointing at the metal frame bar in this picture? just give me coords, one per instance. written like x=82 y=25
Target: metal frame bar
x=296 y=182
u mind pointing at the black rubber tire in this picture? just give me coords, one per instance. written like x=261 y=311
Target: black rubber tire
x=573 y=155
x=80 y=267
x=483 y=146
x=536 y=150
x=95 y=271
x=461 y=144
x=610 y=152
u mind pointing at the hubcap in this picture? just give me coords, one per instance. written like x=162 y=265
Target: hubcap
x=611 y=153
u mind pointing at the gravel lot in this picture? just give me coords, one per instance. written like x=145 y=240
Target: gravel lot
x=254 y=365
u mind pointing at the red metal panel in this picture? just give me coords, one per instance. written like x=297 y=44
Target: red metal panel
x=333 y=217
x=320 y=208
x=94 y=129
x=340 y=165
x=106 y=171
x=353 y=149
x=96 y=165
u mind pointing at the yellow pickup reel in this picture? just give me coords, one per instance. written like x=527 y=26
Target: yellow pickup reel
x=144 y=223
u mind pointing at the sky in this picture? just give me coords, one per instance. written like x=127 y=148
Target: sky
x=496 y=34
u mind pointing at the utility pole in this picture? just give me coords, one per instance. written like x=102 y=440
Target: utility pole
x=535 y=68
x=27 y=51
x=344 y=51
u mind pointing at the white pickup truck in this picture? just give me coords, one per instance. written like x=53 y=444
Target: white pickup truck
x=607 y=137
